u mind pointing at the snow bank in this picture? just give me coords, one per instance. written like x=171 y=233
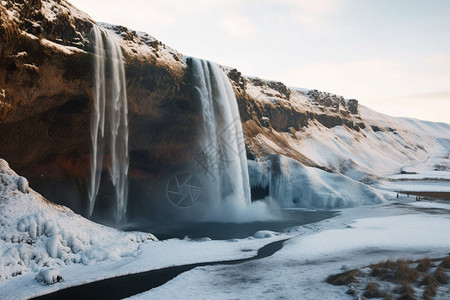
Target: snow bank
x=294 y=185
x=49 y=276
x=264 y=234
x=433 y=205
x=36 y=235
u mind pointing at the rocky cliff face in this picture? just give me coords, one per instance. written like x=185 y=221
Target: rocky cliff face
x=46 y=104
x=46 y=97
x=270 y=109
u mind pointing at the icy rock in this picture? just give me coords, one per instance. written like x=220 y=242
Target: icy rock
x=292 y=184
x=345 y=268
x=54 y=247
x=3 y=165
x=264 y=234
x=22 y=185
x=49 y=276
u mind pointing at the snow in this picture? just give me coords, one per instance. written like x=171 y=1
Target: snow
x=425 y=175
x=427 y=204
x=49 y=276
x=41 y=243
x=22 y=185
x=371 y=157
x=264 y=234
x=294 y=185
x=60 y=48
x=356 y=238
x=36 y=234
x=416 y=186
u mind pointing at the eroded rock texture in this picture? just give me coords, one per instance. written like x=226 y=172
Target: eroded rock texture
x=46 y=98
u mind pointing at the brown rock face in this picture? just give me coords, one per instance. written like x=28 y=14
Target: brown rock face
x=46 y=102
x=46 y=99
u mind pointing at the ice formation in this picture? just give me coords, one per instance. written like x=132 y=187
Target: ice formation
x=293 y=185
x=36 y=235
x=109 y=117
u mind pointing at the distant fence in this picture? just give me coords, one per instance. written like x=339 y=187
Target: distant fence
x=444 y=195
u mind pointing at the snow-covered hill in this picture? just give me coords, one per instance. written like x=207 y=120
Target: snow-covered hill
x=315 y=149
x=39 y=236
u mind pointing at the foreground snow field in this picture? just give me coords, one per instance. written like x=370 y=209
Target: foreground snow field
x=45 y=248
x=356 y=238
x=42 y=243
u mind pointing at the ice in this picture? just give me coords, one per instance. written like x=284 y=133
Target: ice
x=264 y=234
x=115 y=110
x=294 y=185
x=49 y=276
x=36 y=234
x=22 y=185
x=426 y=204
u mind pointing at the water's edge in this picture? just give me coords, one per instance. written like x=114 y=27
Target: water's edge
x=128 y=285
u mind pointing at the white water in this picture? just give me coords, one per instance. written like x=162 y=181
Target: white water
x=223 y=141
x=110 y=102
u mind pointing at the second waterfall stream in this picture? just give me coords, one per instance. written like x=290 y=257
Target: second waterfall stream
x=222 y=143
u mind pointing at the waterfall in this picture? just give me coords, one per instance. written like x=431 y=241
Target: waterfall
x=222 y=154
x=109 y=121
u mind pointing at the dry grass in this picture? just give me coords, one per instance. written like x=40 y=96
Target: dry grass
x=405 y=274
x=445 y=263
x=402 y=275
x=388 y=264
x=440 y=276
x=373 y=291
x=431 y=286
x=343 y=278
x=424 y=265
x=405 y=291
x=383 y=269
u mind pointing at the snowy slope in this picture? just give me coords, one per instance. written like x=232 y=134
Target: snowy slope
x=295 y=185
x=36 y=234
x=332 y=152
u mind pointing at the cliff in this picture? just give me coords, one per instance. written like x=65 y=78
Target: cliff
x=46 y=97
x=46 y=104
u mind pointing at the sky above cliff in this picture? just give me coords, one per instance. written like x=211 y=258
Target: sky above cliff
x=393 y=56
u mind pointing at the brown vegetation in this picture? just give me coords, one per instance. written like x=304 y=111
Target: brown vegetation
x=440 y=276
x=431 y=286
x=373 y=291
x=343 y=278
x=402 y=274
x=405 y=291
x=445 y=263
x=424 y=265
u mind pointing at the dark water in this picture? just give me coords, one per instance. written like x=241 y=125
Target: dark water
x=225 y=231
x=129 y=285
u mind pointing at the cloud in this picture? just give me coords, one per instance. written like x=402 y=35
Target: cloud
x=378 y=77
x=238 y=26
x=433 y=96
x=313 y=14
x=394 y=86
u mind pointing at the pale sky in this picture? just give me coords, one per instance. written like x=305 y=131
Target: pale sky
x=393 y=56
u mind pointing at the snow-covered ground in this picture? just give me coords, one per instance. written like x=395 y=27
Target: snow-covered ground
x=356 y=238
x=41 y=242
x=45 y=247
